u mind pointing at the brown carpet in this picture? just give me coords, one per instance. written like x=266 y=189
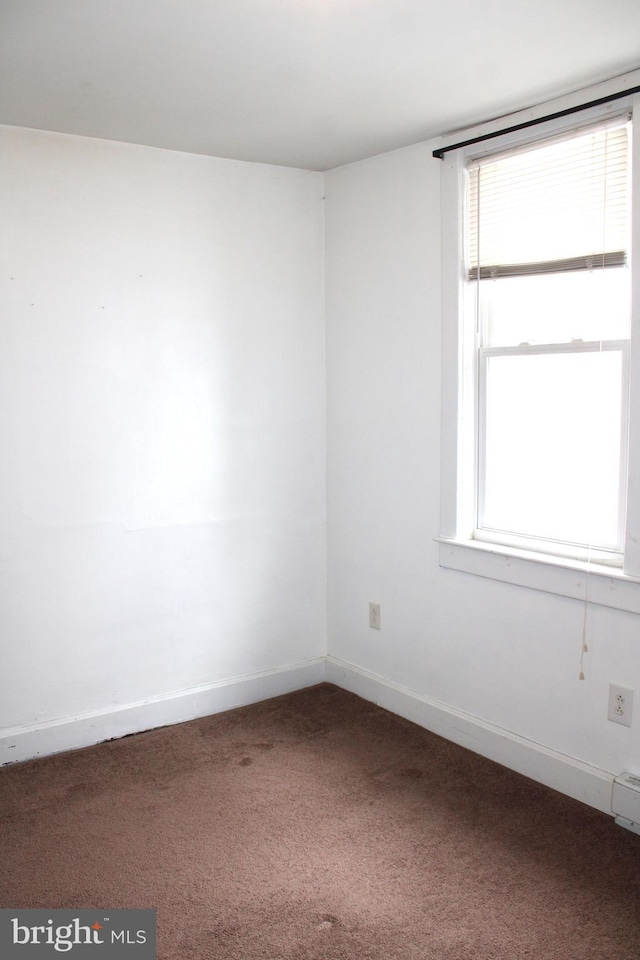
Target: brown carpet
x=319 y=826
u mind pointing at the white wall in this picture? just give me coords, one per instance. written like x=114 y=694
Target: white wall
x=162 y=498
x=162 y=414
x=492 y=665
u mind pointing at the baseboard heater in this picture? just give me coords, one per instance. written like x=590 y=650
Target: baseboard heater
x=626 y=801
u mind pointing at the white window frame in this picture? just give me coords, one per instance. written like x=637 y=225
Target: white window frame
x=459 y=549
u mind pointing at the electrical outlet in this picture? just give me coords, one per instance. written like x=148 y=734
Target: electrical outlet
x=620 y=704
x=374 y=615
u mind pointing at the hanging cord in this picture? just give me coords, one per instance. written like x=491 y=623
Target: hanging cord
x=584 y=646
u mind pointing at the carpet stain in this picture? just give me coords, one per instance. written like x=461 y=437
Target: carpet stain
x=412 y=773
x=355 y=810
x=82 y=790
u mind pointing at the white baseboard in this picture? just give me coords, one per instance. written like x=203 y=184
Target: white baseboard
x=69 y=733
x=572 y=777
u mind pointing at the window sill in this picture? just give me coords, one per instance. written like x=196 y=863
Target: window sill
x=606 y=586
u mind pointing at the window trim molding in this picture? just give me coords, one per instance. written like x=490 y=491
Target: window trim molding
x=577 y=579
x=457 y=548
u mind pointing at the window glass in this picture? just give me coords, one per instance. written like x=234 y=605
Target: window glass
x=551 y=446
x=556 y=308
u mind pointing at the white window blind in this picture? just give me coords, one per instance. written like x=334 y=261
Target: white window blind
x=559 y=207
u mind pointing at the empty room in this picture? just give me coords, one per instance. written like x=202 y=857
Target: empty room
x=320 y=488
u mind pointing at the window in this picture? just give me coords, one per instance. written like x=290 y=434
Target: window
x=547 y=253
x=539 y=437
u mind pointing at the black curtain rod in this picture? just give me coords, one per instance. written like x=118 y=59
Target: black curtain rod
x=440 y=152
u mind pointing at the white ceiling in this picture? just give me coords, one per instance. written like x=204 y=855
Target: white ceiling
x=306 y=83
